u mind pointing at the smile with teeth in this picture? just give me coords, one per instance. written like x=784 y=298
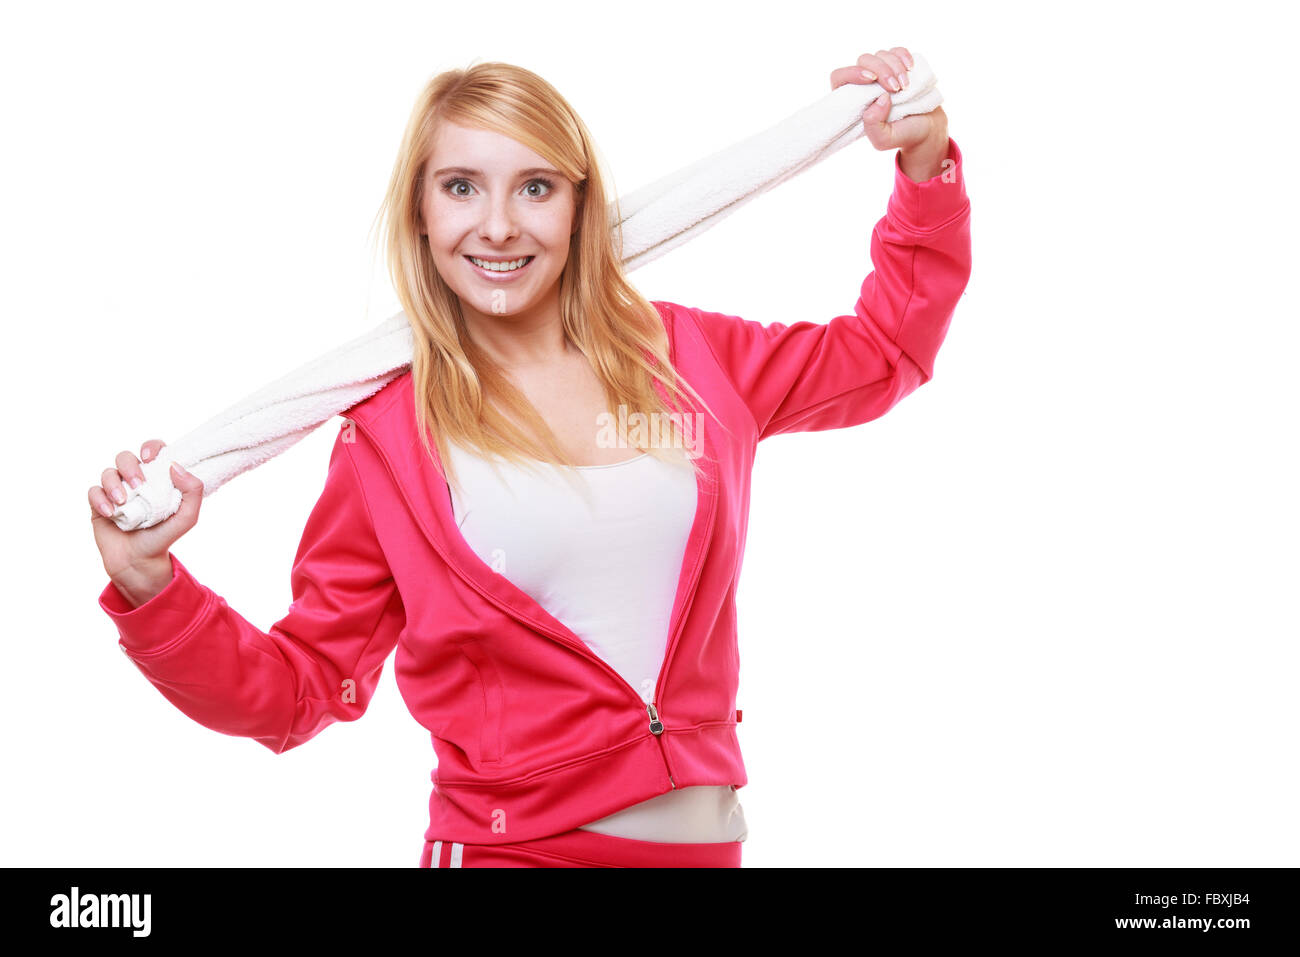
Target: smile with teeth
x=509 y=266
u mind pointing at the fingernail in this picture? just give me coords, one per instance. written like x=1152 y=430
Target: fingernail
x=136 y=483
x=868 y=75
x=882 y=99
x=146 y=456
x=905 y=80
x=120 y=496
x=179 y=469
x=893 y=83
x=106 y=509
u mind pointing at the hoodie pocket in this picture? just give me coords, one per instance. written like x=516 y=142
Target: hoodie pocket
x=489 y=680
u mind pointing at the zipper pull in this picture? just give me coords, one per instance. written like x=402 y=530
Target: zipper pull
x=656 y=726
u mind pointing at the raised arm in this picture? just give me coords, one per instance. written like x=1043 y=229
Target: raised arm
x=319 y=664
x=811 y=376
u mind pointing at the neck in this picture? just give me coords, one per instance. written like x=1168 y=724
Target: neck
x=521 y=341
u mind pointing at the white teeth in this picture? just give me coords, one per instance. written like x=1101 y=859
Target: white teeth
x=500 y=267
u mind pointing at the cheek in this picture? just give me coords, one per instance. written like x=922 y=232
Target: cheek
x=557 y=230
x=439 y=221
x=443 y=235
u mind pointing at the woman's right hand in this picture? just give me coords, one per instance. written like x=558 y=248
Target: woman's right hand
x=139 y=558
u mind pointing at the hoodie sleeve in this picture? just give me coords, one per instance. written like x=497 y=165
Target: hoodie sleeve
x=318 y=664
x=811 y=376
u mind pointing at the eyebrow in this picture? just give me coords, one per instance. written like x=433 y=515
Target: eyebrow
x=466 y=171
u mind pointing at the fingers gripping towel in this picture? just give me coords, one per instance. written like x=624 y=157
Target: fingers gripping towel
x=653 y=220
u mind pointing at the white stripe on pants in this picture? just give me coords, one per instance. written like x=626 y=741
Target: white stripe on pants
x=456 y=851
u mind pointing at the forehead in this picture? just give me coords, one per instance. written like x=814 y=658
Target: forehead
x=455 y=145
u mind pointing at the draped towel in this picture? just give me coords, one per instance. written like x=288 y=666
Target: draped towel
x=654 y=219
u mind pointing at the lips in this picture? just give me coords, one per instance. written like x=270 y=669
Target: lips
x=497 y=275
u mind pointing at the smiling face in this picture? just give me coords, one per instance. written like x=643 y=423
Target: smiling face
x=489 y=198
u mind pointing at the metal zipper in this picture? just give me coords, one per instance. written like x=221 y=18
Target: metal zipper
x=693 y=580
x=657 y=729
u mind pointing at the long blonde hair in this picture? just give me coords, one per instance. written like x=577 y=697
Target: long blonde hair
x=614 y=326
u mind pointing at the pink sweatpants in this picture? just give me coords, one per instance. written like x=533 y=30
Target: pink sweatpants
x=580 y=848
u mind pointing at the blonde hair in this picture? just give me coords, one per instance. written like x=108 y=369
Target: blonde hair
x=614 y=326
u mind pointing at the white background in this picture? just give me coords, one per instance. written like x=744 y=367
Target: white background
x=1041 y=613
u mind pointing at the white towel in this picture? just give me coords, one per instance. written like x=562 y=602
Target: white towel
x=656 y=218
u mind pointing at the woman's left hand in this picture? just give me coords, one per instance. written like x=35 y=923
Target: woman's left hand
x=920 y=134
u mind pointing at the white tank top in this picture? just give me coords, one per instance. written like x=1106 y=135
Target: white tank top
x=604 y=560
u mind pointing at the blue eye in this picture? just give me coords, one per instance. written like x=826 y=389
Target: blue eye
x=449 y=184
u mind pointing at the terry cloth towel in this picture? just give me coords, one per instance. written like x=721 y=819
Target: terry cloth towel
x=654 y=219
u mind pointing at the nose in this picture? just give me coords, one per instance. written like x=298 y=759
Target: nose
x=498 y=225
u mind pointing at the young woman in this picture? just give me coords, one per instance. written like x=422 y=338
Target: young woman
x=546 y=515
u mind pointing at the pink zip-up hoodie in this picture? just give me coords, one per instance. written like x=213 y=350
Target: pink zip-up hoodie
x=534 y=733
